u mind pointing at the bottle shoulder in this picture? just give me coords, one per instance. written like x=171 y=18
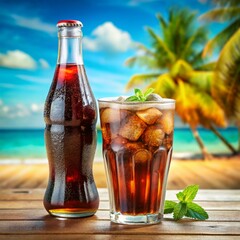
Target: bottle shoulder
x=70 y=96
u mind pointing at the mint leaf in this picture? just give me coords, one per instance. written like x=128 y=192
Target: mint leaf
x=169 y=206
x=132 y=99
x=148 y=92
x=137 y=92
x=195 y=211
x=180 y=196
x=186 y=207
x=139 y=95
x=179 y=210
x=190 y=193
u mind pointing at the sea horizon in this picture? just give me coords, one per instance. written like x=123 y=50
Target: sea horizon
x=26 y=145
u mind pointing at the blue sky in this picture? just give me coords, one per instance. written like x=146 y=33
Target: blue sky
x=28 y=48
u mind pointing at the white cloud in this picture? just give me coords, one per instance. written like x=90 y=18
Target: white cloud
x=33 y=23
x=17 y=59
x=36 y=107
x=43 y=63
x=107 y=37
x=19 y=110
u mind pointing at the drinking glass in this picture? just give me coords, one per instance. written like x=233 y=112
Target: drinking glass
x=137 y=150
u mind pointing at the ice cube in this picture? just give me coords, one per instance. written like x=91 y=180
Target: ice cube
x=132 y=128
x=110 y=115
x=153 y=136
x=167 y=121
x=109 y=132
x=134 y=146
x=149 y=115
x=168 y=140
x=118 y=143
x=121 y=99
x=106 y=135
x=142 y=155
x=154 y=97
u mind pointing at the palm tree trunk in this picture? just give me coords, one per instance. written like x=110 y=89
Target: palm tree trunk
x=218 y=134
x=239 y=139
x=205 y=153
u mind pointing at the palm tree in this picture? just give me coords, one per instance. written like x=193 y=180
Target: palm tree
x=226 y=81
x=178 y=71
x=225 y=11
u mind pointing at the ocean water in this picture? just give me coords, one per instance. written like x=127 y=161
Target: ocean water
x=29 y=144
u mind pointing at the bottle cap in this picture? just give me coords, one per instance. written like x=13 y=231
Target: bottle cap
x=69 y=23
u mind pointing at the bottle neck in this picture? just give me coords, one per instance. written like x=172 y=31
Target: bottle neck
x=70 y=46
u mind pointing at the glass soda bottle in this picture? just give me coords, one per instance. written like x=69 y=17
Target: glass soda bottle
x=70 y=115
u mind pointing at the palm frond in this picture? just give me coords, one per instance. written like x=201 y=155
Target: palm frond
x=140 y=79
x=198 y=37
x=186 y=104
x=225 y=3
x=180 y=69
x=221 y=14
x=145 y=61
x=201 y=80
x=143 y=48
x=162 y=21
x=209 y=110
x=207 y=67
x=197 y=59
x=144 y=58
x=226 y=85
x=179 y=28
x=221 y=38
x=160 y=45
x=164 y=86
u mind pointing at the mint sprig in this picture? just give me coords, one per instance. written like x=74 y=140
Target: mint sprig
x=186 y=206
x=139 y=95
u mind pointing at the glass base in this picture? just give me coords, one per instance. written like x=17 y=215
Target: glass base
x=70 y=213
x=137 y=219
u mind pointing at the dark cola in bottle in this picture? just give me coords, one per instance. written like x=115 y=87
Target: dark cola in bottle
x=70 y=115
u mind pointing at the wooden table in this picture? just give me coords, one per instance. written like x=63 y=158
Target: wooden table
x=22 y=216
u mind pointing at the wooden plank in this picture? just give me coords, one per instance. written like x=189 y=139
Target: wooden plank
x=209 y=205
x=208 y=174
x=207 y=177
x=113 y=236
x=37 y=214
x=204 y=177
x=81 y=226
x=104 y=205
x=17 y=177
x=37 y=176
x=175 y=179
x=36 y=194
x=203 y=195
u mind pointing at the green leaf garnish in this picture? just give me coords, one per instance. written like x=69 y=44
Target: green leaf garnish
x=139 y=95
x=179 y=210
x=195 y=211
x=186 y=206
x=169 y=206
x=190 y=192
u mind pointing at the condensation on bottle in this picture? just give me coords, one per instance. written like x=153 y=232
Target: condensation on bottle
x=70 y=114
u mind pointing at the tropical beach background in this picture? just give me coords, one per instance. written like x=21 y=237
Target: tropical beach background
x=186 y=50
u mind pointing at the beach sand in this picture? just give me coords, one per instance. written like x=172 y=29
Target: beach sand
x=220 y=173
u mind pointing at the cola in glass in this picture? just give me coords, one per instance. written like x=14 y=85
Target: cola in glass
x=137 y=149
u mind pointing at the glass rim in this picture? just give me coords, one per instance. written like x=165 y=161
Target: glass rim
x=113 y=100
